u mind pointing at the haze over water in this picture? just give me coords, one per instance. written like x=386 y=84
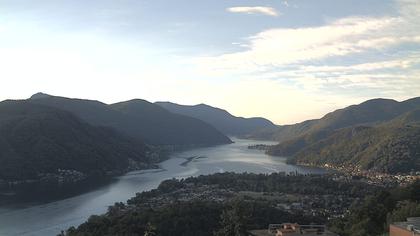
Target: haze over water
x=51 y=218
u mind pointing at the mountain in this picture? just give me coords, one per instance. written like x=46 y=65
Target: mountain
x=383 y=141
x=390 y=148
x=293 y=138
x=139 y=119
x=40 y=95
x=37 y=139
x=162 y=126
x=221 y=119
x=367 y=113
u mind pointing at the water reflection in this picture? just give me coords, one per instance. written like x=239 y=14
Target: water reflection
x=50 y=218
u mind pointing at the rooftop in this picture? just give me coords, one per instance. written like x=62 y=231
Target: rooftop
x=289 y=229
x=412 y=224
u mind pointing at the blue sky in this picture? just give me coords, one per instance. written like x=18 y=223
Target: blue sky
x=284 y=60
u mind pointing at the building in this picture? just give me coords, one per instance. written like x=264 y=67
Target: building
x=411 y=227
x=289 y=229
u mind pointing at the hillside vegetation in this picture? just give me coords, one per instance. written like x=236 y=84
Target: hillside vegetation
x=380 y=135
x=382 y=149
x=222 y=204
x=36 y=139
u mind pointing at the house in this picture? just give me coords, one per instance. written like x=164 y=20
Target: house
x=411 y=227
x=289 y=229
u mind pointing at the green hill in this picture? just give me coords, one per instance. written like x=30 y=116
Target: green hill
x=36 y=139
x=293 y=138
x=390 y=147
x=383 y=149
x=378 y=134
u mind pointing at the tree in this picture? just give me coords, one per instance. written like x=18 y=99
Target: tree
x=150 y=230
x=233 y=221
x=414 y=191
x=406 y=209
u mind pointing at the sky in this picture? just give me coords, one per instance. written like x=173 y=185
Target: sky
x=287 y=61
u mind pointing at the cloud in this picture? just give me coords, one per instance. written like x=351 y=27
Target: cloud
x=269 y=11
x=299 y=72
x=282 y=46
x=357 y=56
x=403 y=63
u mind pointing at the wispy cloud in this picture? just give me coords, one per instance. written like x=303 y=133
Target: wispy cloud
x=269 y=11
x=377 y=56
x=277 y=47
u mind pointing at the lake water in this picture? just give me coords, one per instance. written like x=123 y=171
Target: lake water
x=50 y=218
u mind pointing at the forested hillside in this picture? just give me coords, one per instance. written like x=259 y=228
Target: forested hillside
x=380 y=135
x=36 y=139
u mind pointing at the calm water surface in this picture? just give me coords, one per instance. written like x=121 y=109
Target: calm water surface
x=51 y=218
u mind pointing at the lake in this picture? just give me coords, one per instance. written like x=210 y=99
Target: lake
x=50 y=218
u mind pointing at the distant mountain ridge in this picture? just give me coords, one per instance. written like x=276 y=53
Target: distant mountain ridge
x=139 y=119
x=379 y=134
x=219 y=118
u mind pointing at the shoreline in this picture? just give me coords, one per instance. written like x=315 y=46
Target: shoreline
x=27 y=203
x=75 y=210
x=371 y=177
x=190 y=159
